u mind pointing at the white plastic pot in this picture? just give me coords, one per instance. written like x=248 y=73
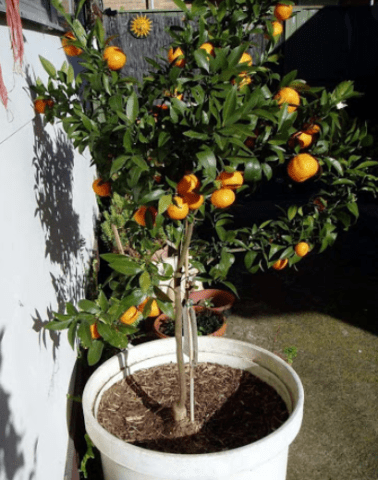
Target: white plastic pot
x=265 y=459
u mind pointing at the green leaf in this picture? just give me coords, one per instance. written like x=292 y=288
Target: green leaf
x=249 y=259
x=132 y=107
x=48 y=66
x=103 y=301
x=208 y=161
x=118 y=163
x=367 y=164
x=230 y=103
x=88 y=306
x=164 y=203
x=84 y=333
x=292 y=211
x=252 y=171
x=95 y=352
x=202 y=59
x=79 y=32
x=181 y=5
x=70 y=309
x=58 y=325
x=70 y=74
x=152 y=196
x=125 y=266
x=353 y=208
x=99 y=32
x=145 y=281
x=71 y=334
x=197 y=135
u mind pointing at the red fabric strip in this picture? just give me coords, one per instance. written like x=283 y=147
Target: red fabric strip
x=15 y=27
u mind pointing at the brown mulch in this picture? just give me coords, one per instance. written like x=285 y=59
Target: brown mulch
x=232 y=408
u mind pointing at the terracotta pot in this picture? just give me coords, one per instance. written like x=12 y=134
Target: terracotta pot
x=163 y=318
x=222 y=299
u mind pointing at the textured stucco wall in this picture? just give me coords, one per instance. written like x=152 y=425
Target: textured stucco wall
x=47 y=211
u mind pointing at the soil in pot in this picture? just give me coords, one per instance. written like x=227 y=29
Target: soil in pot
x=208 y=322
x=233 y=408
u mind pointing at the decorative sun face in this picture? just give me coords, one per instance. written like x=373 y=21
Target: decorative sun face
x=141 y=26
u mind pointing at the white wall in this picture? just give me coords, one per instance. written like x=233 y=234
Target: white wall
x=47 y=211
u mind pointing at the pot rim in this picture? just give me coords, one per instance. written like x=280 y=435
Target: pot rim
x=118 y=449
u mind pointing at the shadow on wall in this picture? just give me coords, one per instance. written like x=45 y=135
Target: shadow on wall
x=53 y=164
x=11 y=460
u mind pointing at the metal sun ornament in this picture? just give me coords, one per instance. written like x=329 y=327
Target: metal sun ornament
x=141 y=26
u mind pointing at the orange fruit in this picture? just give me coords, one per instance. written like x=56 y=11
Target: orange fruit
x=311 y=128
x=290 y=96
x=209 y=47
x=175 y=94
x=283 y=12
x=194 y=200
x=101 y=188
x=130 y=316
x=94 y=332
x=277 y=28
x=178 y=210
x=223 y=198
x=173 y=54
x=301 y=138
x=140 y=215
x=280 y=264
x=70 y=50
x=232 y=180
x=302 y=167
x=41 y=104
x=187 y=184
x=246 y=58
x=154 y=309
x=114 y=57
x=302 y=249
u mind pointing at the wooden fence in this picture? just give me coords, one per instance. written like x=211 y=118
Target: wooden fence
x=326 y=45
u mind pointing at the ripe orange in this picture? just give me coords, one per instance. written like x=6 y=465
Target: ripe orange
x=209 y=47
x=302 y=167
x=41 y=104
x=194 y=200
x=277 y=28
x=140 y=215
x=222 y=198
x=130 y=316
x=173 y=54
x=283 y=12
x=187 y=184
x=311 y=128
x=70 y=50
x=246 y=58
x=154 y=311
x=232 y=180
x=302 y=249
x=280 y=264
x=94 y=332
x=101 y=188
x=290 y=96
x=301 y=138
x=178 y=210
x=114 y=57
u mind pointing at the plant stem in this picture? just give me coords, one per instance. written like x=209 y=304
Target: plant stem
x=117 y=239
x=179 y=409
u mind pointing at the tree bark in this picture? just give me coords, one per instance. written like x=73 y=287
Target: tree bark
x=179 y=408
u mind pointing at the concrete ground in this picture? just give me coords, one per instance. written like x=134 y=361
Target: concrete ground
x=328 y=310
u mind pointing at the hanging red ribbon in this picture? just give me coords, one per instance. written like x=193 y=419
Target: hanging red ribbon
x=17 y=41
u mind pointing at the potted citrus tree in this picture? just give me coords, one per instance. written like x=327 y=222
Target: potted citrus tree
x=205 y=129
